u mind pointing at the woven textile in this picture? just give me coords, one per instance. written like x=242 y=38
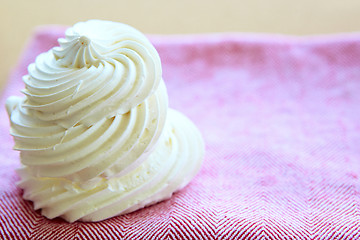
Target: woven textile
x=281 y=120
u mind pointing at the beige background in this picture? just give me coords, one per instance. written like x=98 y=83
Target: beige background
x=295 y=17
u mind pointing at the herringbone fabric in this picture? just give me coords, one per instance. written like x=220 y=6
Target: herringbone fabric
x=281 y=120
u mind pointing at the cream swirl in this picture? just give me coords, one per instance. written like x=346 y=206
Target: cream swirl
x=95 y=135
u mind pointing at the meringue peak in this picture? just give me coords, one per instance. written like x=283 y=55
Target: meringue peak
x=77 y=51
x=84 y=40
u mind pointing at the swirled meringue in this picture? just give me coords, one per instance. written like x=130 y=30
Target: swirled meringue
x=95 y=135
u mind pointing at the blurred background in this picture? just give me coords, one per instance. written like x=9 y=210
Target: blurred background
x=304 y=17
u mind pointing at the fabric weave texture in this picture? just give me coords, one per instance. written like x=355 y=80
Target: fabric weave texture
x=281 y=121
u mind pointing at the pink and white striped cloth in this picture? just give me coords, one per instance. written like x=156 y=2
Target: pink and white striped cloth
x=281 y=120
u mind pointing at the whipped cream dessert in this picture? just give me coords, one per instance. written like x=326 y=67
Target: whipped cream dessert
x=94 y=132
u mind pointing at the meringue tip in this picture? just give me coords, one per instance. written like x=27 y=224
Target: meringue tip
x=77 y=51
x=84 y=40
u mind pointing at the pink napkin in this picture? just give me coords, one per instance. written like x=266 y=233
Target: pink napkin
x=281 y=120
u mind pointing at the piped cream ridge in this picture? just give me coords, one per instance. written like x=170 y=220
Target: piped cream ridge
x=94 y=132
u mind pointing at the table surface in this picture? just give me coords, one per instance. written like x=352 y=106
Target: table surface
x=306 y=17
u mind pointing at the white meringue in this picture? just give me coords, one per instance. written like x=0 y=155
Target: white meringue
x=95 y=135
